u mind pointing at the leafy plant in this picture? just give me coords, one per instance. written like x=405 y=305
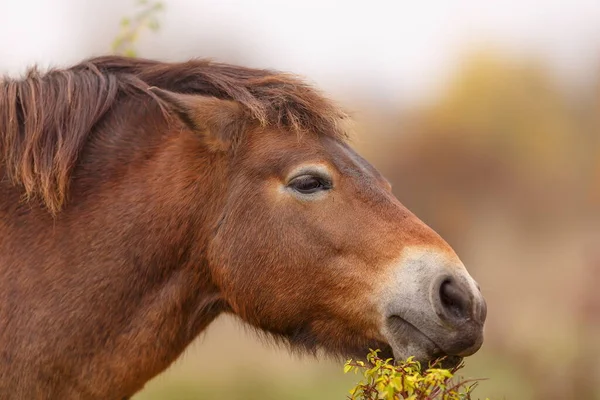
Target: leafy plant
x=132 y=27
x=382 y=380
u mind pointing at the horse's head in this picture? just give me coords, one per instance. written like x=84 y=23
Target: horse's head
x=312 y=246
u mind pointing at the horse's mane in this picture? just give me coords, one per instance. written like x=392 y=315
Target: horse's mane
x=45 y=119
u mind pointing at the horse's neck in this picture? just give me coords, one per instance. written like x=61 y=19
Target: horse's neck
x=163 y=212
x=121 y=270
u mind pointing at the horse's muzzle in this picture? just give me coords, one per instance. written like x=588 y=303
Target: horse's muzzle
x=432 y=307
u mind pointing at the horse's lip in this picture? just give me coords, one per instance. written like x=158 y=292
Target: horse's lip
x=447 y=360
x=396 y=319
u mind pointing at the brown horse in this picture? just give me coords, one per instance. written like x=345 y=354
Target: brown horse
x=139 y=200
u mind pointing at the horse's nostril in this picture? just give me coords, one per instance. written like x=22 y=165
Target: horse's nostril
x=455 y=301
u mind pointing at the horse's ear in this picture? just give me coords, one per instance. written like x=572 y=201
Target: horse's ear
x=220 y=121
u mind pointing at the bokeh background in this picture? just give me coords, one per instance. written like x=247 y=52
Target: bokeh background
x=484 y=115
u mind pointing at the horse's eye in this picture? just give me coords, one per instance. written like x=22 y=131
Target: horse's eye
x=308 y=184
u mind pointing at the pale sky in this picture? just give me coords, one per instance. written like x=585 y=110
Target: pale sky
x=397 y=49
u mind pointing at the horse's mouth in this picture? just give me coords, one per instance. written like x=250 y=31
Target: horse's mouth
x=407 y=340
x=445 y=361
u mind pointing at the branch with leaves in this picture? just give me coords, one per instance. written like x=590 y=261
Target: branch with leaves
x=382 y=380
x=132 y=27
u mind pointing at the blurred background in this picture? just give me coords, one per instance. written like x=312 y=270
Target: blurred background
x=485 y=116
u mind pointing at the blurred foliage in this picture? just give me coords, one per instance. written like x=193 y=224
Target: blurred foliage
x=511 y=107
x=382 y=380
x=245 y=388
x=146 y=18
x=209 y=375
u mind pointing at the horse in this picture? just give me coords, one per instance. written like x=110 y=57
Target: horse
x=141 y=199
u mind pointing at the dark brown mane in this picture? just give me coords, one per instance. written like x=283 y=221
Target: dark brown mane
x=45 y=119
